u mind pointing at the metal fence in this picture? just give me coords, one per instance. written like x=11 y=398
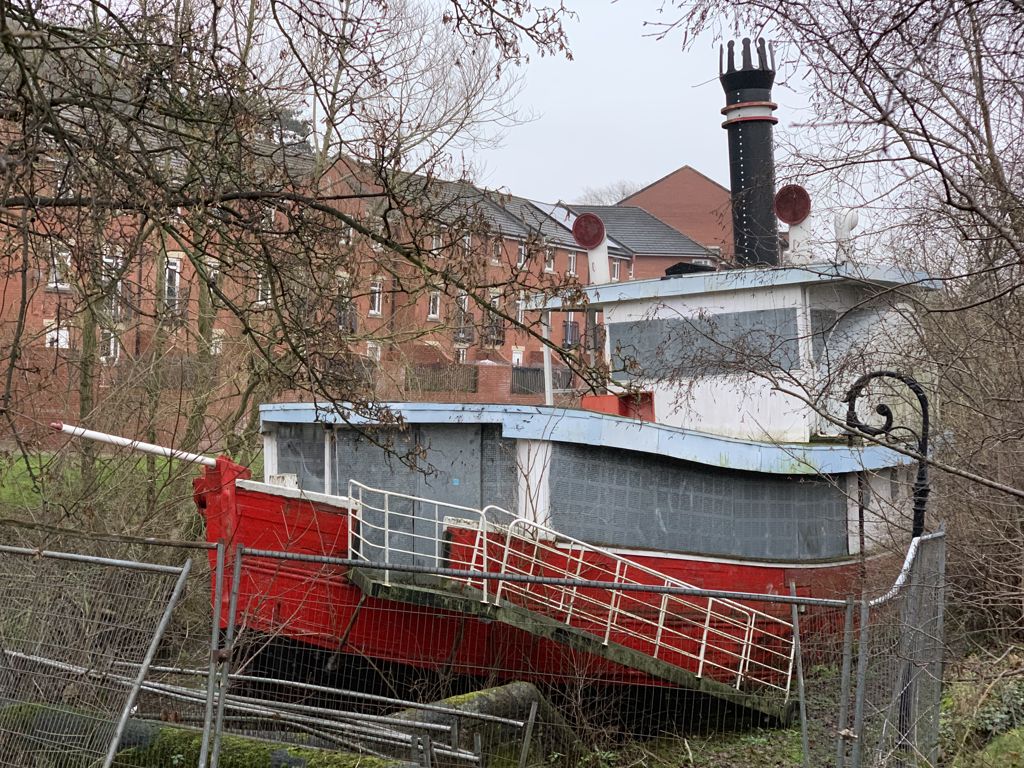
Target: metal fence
x=403 y=662
x=77 y=635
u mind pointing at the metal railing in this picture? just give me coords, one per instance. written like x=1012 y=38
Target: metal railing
x=709 y=636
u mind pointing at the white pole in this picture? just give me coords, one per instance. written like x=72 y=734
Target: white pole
x=134 y=445
x=549 y=389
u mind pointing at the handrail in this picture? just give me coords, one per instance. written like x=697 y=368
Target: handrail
x=712 y=635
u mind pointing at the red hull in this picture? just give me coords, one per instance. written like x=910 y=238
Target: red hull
x=316 y=604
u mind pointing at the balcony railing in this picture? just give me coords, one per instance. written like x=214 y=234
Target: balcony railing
x=493 y=334
x=441 y=377
x=347 y=315
x=530 y=381
x=571 y=334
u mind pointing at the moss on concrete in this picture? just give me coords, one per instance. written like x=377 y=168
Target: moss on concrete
x=180 y=747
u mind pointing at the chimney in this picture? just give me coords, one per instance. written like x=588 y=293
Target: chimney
x=749 y=120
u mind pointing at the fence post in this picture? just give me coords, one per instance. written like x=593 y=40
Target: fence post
x=862 y=672
x=805 y=742
x=211 y=675
x=229 y=637
x=140 y=677
x=842 y=731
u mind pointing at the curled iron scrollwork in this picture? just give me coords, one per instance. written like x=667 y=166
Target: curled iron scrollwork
x=858 y=427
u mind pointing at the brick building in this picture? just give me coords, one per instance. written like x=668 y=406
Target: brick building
x=690 y=202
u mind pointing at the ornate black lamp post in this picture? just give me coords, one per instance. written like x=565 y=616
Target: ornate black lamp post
x=857 y=426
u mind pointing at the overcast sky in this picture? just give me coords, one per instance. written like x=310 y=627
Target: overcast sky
x=627 y=107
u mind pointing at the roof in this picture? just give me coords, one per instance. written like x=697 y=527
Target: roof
x=746 y=279
x=680 y=169
x=643 y=233
x=598 y=429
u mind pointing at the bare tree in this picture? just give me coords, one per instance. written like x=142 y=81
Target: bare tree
x=609 y=194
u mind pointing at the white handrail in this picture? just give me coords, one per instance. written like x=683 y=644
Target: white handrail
x=134 y=445
x=717 y=636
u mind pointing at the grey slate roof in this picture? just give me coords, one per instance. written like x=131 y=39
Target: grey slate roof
x=642 y=233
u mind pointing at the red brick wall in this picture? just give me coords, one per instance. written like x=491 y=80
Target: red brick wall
x=692 y=203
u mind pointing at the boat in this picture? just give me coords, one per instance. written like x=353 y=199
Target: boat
x=631 y=543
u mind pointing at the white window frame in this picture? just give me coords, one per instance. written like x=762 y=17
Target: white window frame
x=376 y=298
x=373 y=352
x=570 y=267
x=436 y=241
x=263 y=291
x=467 y=244
x=434 y=305
x=461 y=355
x=615 y=272
x=172 y=266
x=345 y=238
x=521 y=309
x=523 y=256
x=60 y=267
x=496 y=251
x=114 y=285
x=632 y=263
x=549 y=259
x=517 y=357
x=57 y=334
x=217 y=341
x=110 y=346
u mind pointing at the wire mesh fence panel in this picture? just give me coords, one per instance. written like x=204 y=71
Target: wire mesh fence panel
x=76 y=635
x=900 y=682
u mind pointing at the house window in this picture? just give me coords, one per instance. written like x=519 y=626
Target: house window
x=376 y=298
x=460 y=355
x=496 y=251
x=58 y=335
x=631 y=264
x=378 y=230
x=217 y=341
x=373 y=352
x=521 y=309
x=172 y=285
x=549 y=259
x=462 y=303
x=60 y=268
x=345 y=238
x=263 y=292
x=110 y=346
x=435 y=242
x=522 y=253
x=467 y=244
x=570 y=267
x=616 y=269
x=113 y=287
x=434 y=305
x=517 y=358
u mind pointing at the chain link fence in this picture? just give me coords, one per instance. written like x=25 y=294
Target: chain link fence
x=208 y=652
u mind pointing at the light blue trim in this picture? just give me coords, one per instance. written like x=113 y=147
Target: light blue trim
x=741 y=279
x=527 y=422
